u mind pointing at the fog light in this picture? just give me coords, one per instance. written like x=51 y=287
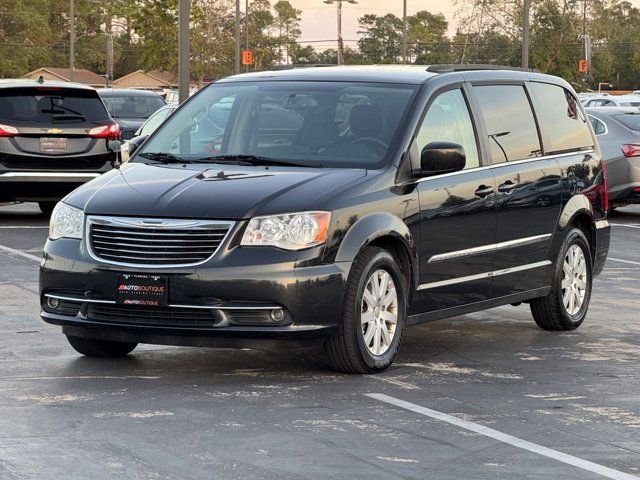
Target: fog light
x=277 y=315
x=53 y=303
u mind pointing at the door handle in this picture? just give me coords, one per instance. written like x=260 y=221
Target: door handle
x=507 y=187
x=483 y=191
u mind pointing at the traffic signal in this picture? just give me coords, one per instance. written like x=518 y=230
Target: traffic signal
x=247 y=57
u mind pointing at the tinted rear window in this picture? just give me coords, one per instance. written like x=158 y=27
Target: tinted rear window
x=629 y=120
x=45 y=105
x=131 y=106
x=562 y=119
x=509 y=121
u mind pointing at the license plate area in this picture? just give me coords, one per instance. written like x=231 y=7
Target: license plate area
x=143 y=290
x=53 y=145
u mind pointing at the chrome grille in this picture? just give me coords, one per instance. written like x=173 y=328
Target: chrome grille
x=150 y=242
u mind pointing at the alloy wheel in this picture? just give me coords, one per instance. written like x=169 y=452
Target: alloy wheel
x=574 y=279
x=379 y=313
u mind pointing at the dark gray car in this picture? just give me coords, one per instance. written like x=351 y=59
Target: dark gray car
x=618 y=132
x=130 y=107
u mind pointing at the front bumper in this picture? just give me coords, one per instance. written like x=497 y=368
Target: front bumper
x=209 y=305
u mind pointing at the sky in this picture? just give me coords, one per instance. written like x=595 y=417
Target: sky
x=319 y=19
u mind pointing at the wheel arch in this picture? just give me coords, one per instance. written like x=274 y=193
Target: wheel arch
x=578 y=212
x=386 y=231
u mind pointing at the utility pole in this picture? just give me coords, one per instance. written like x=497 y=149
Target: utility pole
x=404 y=31
x=237 y=37
x=183 y=49
x=526 y=6
x=246 y=29
x=72 y=37
x=340 y=42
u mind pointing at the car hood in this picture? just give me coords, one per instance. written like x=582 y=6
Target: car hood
x=208 y=191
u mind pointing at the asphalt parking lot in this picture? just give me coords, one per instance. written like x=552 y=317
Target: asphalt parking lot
x=487 y=395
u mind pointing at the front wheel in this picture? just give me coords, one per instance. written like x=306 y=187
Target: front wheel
x=374 y=315
x=565 y=308
x=100 y=348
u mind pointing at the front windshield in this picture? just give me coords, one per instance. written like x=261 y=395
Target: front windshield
x=132 y=106
x=336 y=124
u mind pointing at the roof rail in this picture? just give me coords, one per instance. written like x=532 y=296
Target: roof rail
x=301 y=65
x=462 y=67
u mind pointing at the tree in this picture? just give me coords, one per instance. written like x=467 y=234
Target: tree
x=380 y=38
x=287 y=22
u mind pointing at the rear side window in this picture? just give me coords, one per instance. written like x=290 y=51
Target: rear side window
x=598 y=126
x=50 y=105
x=509 y=121
x=562 y=119
x=629 y=120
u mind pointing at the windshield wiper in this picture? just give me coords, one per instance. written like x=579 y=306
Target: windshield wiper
x=162 y=157
x=63 y=116
x=255 y=160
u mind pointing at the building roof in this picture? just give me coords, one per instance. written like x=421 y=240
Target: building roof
x=78 y=75
x=153 y=79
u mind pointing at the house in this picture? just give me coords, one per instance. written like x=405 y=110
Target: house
x=78 y=75
x=151 y=80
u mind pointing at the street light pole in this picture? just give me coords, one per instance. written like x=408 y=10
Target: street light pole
x=404 y=31
x=237 y=37
x=72 y=37
x=340 y=42
x=183 y=49
x=526 y=6
x=246 y=29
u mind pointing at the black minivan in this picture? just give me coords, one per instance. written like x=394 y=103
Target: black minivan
x=53 y=137
x=336 y=205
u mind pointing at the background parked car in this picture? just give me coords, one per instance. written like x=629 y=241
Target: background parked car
x=605 y=100
x=130 y=107
x=147 y=128
x=53 y=137
x=618 y=133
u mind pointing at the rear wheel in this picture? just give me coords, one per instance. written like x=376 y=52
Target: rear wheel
x=47 y=207
x=100 y=348
x=374 y=315
x=565 y=308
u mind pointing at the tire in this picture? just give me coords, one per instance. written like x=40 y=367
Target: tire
x=348 y=351
x=47 y=207
x=100 y=348
x=553 y=312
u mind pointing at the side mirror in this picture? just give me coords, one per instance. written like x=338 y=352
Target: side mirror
x=135 y=143
x=441 y=157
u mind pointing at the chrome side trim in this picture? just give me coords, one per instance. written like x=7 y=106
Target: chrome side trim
x=174 y=305
x=156 y=223
x=497 y=165
x=602 y=224
x=495 y=273
x=494 y=247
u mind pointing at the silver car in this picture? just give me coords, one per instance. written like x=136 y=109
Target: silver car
x=618 y=132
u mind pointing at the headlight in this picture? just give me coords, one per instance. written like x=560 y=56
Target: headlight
x=66 y=222
x=290 y=231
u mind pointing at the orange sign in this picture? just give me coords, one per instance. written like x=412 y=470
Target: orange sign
x=247 y=57
x=583 y=66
